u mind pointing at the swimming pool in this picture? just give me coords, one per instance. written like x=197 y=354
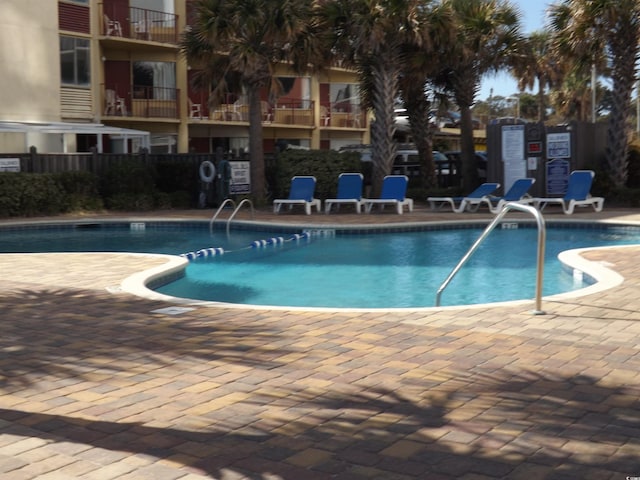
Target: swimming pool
x=362 y=270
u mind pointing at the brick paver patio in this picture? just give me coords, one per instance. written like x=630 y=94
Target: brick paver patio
x=100 y=384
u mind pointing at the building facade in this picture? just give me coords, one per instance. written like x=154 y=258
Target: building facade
x=109 y=75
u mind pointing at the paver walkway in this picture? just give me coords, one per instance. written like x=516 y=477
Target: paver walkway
x=96 y=384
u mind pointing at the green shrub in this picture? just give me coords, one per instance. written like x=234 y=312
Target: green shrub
x=325 y=165
x=28 y=194
x=81 y=191
x=181 y=199
x=10 y=188
x=130 y=202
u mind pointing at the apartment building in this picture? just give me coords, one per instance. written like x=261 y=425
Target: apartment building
x=108 y=74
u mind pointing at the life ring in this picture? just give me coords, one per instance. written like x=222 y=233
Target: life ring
x=204 y=176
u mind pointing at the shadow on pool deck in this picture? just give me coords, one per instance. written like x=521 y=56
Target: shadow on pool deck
x=102 y=385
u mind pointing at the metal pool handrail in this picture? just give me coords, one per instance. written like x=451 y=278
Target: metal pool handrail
x=215 y=215
x=246 y=200
x=542 y=233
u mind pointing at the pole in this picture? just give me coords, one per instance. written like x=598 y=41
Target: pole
x=593 y=92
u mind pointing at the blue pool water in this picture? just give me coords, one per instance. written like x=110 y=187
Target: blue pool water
x=376 y=270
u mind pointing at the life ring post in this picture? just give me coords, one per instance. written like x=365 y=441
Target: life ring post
x=207 y=171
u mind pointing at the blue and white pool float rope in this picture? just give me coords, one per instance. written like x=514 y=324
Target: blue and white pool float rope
x=273 y=241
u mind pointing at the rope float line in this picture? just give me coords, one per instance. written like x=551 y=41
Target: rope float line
x=275 y=241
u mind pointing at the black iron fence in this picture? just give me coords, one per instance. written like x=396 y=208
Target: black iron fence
x=35 y=162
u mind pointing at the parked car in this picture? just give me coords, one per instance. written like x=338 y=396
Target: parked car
x=407 y=163
x=363 y=150
x=508 y=121
x=481 y=162
x=449 y=119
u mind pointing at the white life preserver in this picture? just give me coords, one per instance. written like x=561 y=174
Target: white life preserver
x=204 y=176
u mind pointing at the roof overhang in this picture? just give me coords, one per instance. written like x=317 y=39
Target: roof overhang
x=77 y=129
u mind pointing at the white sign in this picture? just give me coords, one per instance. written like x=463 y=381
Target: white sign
x=558 y=145
x=513 y=170
x=240 y=178
x=9 y=164
x=512 y=143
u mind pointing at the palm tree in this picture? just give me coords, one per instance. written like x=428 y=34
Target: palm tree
x=237 y=46
x=537 y=64
x=370 y=36
x=590 y=29
x=418 y=66
x=487 y=38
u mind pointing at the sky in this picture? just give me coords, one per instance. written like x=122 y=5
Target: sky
x=532 y=18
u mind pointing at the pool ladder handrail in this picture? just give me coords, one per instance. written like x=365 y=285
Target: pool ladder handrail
x=244 y=201
x=215 y=215
x=542 y=232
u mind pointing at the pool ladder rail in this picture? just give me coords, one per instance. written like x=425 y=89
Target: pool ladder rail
x=226 y=202
x=542 y=233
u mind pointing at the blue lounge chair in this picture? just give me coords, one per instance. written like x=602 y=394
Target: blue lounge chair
x=517 y=193
x=471 y=202
x=349 y=192
x=394 y=191
x=578 y=194
x=300 y=193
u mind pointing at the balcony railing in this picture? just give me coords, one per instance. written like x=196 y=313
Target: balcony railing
x=139 y=23
x=291 y=112
x=342 y=115
x=141 y=101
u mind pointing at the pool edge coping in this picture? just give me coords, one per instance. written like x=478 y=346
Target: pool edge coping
x=137 y=283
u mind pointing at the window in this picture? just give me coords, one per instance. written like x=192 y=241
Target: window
x=344 y=95
x=74 y=61
x=156 y=5
x=155 y=80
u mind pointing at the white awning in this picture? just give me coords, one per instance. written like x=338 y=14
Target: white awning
x=77 y=129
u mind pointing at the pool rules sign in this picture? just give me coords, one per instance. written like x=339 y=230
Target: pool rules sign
x=9 y=164
x=240 y=178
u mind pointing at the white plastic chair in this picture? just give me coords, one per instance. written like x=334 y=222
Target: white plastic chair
x=195 y=110
x=113 y=103
x=112 y=27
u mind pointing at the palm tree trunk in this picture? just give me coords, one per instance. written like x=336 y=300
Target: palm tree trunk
x=541 y=102
x=385 y=86
x=467 y=150
x=617 y=133
x=256 y=148
x=417 y=107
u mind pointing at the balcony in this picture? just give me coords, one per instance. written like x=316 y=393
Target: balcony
x=298 y=113
x=122 y=22
x=342 y=115
x=141 y=102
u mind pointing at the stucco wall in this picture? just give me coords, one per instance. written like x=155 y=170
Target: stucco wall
x=29 y=60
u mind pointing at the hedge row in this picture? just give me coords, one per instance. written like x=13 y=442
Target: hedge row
x=125 y=186
x=26 y=194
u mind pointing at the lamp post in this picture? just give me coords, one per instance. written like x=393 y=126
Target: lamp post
x=517 y=100
x=490 y=103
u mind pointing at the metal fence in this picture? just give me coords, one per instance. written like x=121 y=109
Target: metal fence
x=98 y=163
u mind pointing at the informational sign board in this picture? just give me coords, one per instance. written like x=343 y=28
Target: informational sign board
x=9 y=164
x=240 y=178
x=512 y=142
x=513 y=155
x=558 y=171
x=559 y=145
